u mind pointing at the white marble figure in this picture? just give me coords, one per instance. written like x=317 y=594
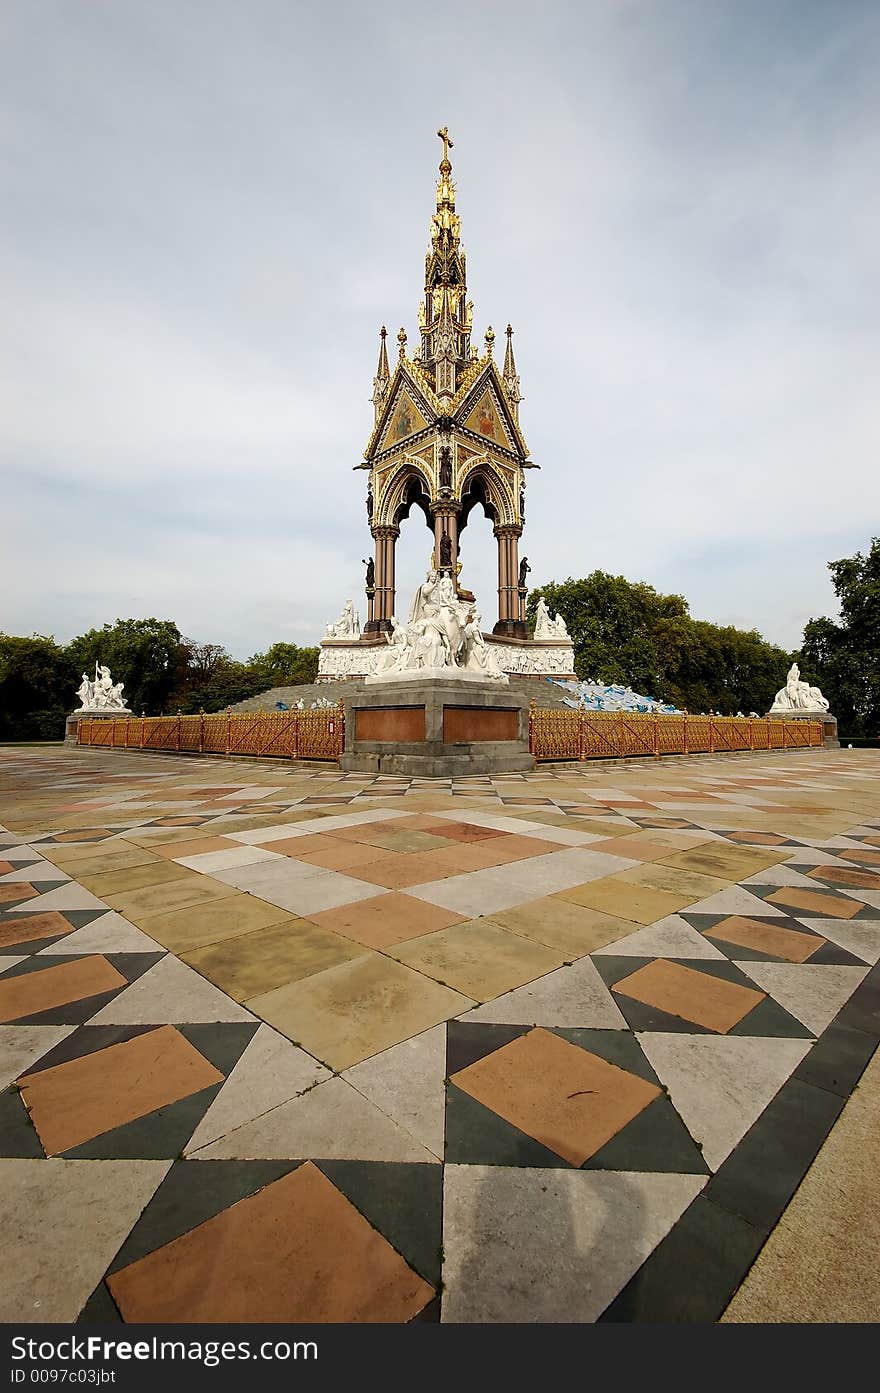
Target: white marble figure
x=398 y=650
x=478 y=655
x=103 y=694
x=545 y=626
x=424 y=595
x=348 y=625
x=797 y=695
x=443 y=632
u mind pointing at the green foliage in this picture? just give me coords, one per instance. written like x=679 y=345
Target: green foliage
x=844 y=658
x=628 y=632
x=162 y=672
x=284 y=665
x=144 y=654
x=36 y=683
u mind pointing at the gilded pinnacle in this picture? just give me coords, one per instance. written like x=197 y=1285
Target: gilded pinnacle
x=445 y=166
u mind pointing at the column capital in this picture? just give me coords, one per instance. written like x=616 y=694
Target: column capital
x=385 y=531
x=507 y=529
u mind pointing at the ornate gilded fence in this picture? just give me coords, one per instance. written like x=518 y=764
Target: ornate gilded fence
x=566 y=735
x=318 y=734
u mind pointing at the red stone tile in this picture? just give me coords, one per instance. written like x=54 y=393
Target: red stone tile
x=73 y=1102
x=26 y=928
x=29 y=993
x=566 y=1098
x=297 y=1251
x=700 y=997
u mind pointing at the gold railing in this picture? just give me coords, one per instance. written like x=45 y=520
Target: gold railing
x=318 y=734
x=564 y=735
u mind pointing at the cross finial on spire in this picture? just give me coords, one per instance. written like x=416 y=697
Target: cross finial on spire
x=447 y=146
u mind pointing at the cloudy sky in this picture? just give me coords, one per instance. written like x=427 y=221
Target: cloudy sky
x=210 y=206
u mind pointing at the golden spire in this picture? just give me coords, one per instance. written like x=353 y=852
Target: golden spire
x=444 y=319
x=447 y=146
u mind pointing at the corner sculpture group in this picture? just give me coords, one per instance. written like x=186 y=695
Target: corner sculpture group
x=797 y=695
x=102 y=694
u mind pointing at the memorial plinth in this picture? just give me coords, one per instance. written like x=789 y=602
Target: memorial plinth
x=798 y=701
x=829 y=723
x=436 y=727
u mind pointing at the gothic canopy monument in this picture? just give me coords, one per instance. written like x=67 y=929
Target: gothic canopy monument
x=446 y=439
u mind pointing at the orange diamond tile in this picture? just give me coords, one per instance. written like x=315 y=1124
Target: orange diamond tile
x=296 y=1251
x=28 y=927
x=567 y=1099
x=813 y=902
x=692 y=996
x=766 y=936
x=72 y=1102
x=22 y=891
x=30 y=993
x=385 y=920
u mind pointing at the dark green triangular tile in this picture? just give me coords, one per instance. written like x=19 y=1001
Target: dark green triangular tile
x=86 y=1041
x=191 y=1193
x=18 y=1137
x=655 y=1140
x=477 y=1136
x=100 y=1309
x=134 y=965
x=616 y=1046
x=403 y=1200
x=223 y=1043
x=468 y=1041
x=161 y=1134
x=769 y=1019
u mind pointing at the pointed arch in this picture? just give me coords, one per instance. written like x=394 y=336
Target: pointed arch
x=483 y=483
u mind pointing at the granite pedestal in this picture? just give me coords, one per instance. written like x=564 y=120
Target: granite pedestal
x=829 y=723
x=71 y=729
x=436 y=728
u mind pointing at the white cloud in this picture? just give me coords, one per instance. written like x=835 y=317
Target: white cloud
x=211 y=212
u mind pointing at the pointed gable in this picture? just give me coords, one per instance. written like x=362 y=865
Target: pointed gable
x=486 y=420
x=404 y=419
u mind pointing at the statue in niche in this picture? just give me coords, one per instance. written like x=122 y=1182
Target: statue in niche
x=446 y=551
x=522 y=504
x=524 y=569
x=445 y=467
x=371 y=572
x=369 y=503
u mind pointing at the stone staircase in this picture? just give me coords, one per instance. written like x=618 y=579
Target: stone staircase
x=537 y=689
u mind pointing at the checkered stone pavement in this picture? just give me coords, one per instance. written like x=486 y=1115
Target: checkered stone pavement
x=292 y=1045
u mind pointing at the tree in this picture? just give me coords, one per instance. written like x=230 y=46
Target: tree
x=146 y=654
x=210 y=679
x=37 y=687
x=844 y=658
x=628 y=632
x=284 y=665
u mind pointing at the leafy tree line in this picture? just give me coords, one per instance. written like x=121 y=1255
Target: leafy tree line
x=844 y=658
x=623 y=631
x=162 y=672
x=630 y=633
